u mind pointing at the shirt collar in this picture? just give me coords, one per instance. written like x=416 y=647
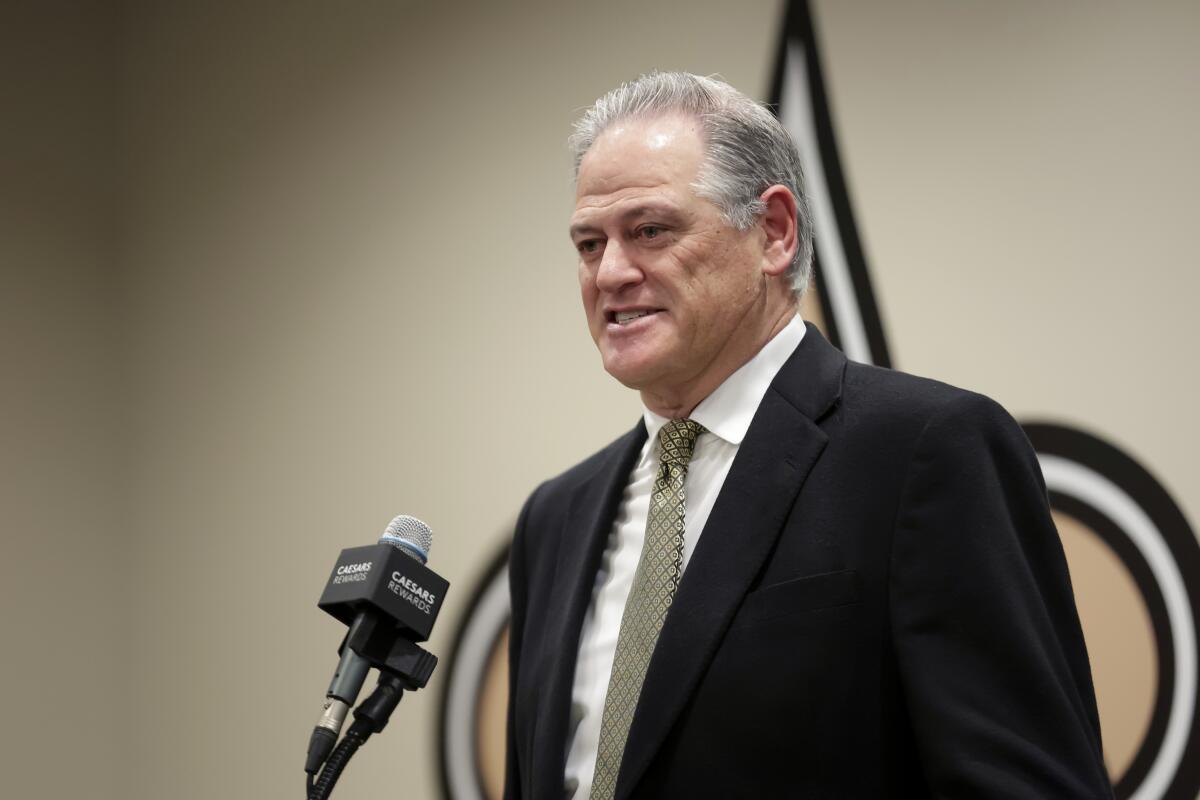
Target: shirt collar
x=727 y=412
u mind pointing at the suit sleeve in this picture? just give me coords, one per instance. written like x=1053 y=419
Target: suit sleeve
x=986 y=635
x=517 y=596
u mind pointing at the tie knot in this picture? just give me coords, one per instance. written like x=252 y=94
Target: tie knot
x=677 y=439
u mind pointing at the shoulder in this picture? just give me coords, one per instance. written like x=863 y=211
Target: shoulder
x=848 y=397
x=922 y=416
x=596 y=466
x=900 y=397
x=548 y=504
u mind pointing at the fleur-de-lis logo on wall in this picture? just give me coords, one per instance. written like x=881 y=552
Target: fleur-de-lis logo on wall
x=1135 y=561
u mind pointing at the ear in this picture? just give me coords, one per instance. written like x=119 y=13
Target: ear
x=778 y=223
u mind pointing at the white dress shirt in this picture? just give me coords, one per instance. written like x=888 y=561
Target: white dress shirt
x=726 y=414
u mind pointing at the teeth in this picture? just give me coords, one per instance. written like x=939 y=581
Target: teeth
x=625 y=316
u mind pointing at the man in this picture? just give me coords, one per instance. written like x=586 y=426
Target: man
x=796 y=576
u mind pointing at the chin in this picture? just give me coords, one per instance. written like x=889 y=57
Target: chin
x=632 y=373
x=627 y=377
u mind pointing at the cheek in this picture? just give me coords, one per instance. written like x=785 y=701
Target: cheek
x=589 y=298
x=718 y=308
x=587 y=286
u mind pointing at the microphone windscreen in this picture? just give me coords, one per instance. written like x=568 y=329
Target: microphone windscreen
x=410 y=535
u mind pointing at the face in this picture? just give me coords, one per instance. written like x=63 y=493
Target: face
x=675 y=298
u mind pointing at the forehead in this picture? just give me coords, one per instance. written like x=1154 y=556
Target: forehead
x=640 y=156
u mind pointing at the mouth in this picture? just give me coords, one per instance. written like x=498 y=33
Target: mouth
x=628 y=317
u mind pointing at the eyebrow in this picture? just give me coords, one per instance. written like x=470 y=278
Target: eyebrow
x=579 y=229
x=643 y=209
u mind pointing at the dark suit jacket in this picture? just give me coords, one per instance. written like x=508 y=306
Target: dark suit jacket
x=878 y=607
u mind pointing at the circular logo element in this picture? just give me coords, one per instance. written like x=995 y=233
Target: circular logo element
x=1142 y=640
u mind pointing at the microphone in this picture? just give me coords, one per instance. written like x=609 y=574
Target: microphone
x=389 y=599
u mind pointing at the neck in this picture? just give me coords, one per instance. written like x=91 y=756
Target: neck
x=679 y=402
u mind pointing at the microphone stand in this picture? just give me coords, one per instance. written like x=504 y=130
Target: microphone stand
x=370 y=717
x=402 y=666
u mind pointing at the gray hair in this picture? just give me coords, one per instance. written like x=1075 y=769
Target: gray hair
x=748 y=150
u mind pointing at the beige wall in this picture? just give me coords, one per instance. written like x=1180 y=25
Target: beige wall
x=344 y=292
x=65 y=543
x=1026 y=172
x=354 y=298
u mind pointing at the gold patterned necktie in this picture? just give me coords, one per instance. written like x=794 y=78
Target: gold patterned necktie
x=654 y=583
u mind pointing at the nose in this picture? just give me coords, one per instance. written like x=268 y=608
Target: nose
x=616 y=269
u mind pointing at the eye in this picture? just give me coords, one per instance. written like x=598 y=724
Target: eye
x=588 y=247
x=650 y=231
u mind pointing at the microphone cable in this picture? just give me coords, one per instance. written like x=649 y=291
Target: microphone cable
x=370 y=717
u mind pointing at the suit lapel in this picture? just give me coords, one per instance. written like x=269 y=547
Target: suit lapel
x=780 y=449
x=588 y=523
